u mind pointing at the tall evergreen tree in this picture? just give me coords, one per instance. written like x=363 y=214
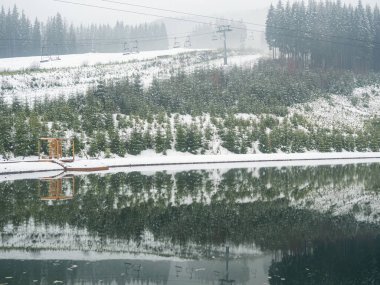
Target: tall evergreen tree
x=36 y=38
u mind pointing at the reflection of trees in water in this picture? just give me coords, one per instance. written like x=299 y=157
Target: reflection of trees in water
x=199 y=206
x=343 y=261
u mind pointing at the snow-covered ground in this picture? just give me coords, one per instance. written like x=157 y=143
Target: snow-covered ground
x=28 y=166
x=76 y=73
x=157 y=161
x=87 y=59
x=343 y=112
x=349 y=157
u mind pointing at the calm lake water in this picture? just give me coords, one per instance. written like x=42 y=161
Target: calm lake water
x=289 y=225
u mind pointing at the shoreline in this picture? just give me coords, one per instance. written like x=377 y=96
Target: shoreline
x=182 y=161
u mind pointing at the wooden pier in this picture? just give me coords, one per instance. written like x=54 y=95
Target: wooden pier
x=90 y=166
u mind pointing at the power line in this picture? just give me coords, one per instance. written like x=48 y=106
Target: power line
x=134 y=12
x=172 y=11
x=120 y=41
x=181 y=35
x=210 y=17
x=214 y=24
x=115 y=42
x=207 y=23
x=241 y=22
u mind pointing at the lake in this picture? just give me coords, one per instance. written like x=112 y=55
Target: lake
x=277 y=225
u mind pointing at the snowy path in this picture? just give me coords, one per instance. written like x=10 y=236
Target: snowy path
x=35 y=170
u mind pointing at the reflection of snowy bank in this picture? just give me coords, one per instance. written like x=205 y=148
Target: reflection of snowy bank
x=356 y=200
x=34 y=237
x=73 y=267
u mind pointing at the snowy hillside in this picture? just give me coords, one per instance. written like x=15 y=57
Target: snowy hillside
x=77 y=60
x=338 y=111
x=27 y=79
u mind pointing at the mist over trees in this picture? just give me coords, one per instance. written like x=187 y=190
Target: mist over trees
x=325 y=34
x=205 y=35
x=20 y=36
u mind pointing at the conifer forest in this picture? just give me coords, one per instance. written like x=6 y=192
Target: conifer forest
x=312 y=57
x=190 y=142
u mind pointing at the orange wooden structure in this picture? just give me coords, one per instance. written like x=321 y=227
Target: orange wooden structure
x=55 y=192
x=55 y=148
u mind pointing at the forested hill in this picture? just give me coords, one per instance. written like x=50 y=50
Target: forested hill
x=20 y=36
x=208 y=111
x=325 y=34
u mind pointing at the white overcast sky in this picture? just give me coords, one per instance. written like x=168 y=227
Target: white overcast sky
x=76 y=14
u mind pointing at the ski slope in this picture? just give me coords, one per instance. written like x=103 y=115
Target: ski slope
x=87 y=59
x=28 y=80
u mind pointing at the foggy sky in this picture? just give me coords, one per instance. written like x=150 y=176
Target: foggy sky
x=77 y=15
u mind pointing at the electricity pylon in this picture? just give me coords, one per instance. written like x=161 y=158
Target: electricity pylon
x=224 y=29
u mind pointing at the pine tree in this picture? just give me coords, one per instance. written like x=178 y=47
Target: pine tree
x=135 y=143
x=35 y=133
x=337 y=140
x=36 y=38
x=14 y=32
x=159 y=141
x=21 y=140
x=25 y=36
x=72 y=40
x=148 y=140
x=78 y=144
x=299 y=141
x=361 y=142
x=181 y=136
x=349 y=143
x=116 y=146
x=94 y=149
x=271 y=29
x=194 y=139
x=229 y=140
x=264 y=142
x=376 y=48
x=168 y=138
x=3 y=32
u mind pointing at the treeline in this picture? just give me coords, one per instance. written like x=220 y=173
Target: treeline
x=325 y=34
x=19 y=36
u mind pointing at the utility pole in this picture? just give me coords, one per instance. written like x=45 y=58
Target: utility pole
x=224 y=29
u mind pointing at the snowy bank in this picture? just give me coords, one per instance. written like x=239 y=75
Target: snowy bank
x=16 y=167
x=185 y=161
x=133 y=161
